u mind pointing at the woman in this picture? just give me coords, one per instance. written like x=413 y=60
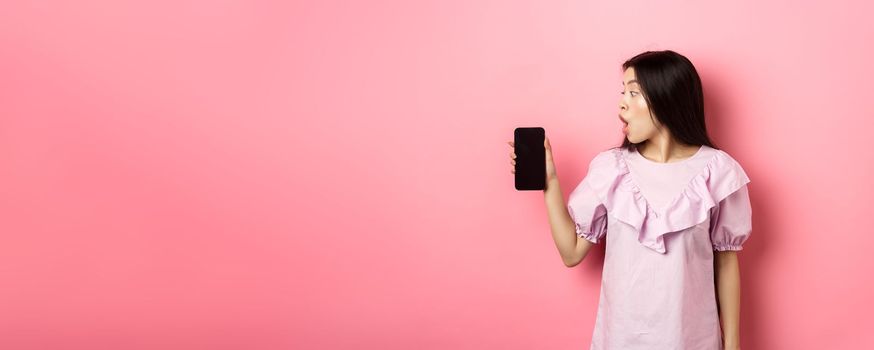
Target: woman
x=673 y=209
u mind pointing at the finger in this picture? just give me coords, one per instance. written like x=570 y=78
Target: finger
x=513 y=162
x=546 y=143
x=513 y=155
x=510 y=143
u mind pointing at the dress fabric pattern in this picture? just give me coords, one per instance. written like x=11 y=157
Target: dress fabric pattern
x=661 y=223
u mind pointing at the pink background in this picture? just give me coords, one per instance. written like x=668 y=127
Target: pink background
x=334 y=175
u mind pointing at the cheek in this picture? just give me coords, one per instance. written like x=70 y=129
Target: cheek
x=647 y=124
x=640 y=103
x=643 y=125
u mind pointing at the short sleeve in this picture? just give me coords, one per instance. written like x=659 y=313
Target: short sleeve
x=585 y=205
x=731 y=221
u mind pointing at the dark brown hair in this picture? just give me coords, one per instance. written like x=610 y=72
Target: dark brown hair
x=672 y=89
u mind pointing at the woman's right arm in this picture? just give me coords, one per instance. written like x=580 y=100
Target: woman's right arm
x=573 y=249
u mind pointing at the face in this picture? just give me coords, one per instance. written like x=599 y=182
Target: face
x=634 y=111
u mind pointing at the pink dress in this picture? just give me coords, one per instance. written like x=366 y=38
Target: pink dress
x=661 y=223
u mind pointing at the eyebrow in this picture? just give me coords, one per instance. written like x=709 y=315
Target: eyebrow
x=630 y=81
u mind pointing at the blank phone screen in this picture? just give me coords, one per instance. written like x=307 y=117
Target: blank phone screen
x=530 y=158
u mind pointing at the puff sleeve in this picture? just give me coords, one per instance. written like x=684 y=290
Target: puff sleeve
x=585 y=204
x=731 y=221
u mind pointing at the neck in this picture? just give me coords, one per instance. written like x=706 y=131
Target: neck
x=665 y=149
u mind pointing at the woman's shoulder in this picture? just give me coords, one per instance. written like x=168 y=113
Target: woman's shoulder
x=603 y=169
x=724 y=161
x=724 y=175
x=718 y=161
x=607 y=158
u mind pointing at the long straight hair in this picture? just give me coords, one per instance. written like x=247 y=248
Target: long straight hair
x=672 y=89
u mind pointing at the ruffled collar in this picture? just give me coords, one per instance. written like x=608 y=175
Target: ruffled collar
x=720 y=177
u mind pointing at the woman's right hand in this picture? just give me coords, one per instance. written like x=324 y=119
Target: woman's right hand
x=550 y=165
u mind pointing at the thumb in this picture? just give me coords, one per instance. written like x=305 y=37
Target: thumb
x=546 y=144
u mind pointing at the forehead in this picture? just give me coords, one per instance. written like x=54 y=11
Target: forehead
x=629 y=77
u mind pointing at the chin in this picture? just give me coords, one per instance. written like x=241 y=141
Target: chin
x=635 y=140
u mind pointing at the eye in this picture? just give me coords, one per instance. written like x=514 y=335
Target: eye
x=633 y=92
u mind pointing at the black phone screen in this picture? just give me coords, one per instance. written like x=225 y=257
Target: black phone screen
x=530 y=158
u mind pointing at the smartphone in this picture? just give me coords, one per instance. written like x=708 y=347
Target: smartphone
x=530 y=158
